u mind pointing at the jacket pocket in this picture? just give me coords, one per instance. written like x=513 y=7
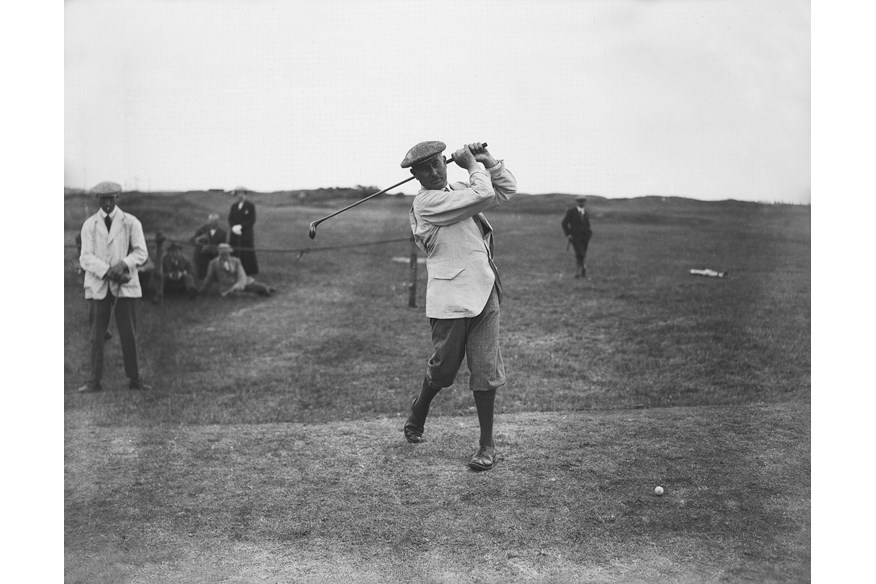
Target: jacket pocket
x=444 y=271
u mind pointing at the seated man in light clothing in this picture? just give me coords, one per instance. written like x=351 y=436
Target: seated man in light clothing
x=229 y=273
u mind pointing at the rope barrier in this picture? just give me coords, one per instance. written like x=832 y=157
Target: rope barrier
x=298 y=250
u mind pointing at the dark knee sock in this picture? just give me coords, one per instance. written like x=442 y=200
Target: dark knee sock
x=421 y=406
x=484 y=401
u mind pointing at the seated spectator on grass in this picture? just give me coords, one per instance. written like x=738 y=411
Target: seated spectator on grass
x=228 y=272
x=149 y=273
x=206 y=239
x=176 y=274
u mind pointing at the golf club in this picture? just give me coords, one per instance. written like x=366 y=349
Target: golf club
x=312 y=232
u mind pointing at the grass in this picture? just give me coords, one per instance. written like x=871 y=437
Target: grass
x=271 y=448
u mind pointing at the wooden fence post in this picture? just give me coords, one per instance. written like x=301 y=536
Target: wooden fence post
x=412 y=289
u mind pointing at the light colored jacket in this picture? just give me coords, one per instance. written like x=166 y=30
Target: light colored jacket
x=457 y=239
x=101 y=250
x=232 y=276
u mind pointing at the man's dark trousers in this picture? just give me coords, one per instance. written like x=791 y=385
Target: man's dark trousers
x=126 y=321
x=579 y=244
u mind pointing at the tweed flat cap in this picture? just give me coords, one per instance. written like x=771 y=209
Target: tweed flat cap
x=105 y=189
x=236 y=190
x=422 y=151
x=580 y=199
x=224 y=247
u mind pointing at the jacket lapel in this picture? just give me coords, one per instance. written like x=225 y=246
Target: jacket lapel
x=486 y=230
x=485 y=225
x=116 y=227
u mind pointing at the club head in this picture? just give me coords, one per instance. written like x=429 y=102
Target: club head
x=312 y=232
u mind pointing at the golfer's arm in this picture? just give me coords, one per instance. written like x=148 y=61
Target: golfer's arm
x=504 y=183
x=442 y=208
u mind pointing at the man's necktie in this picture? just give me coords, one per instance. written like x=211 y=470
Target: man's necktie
x=109 y=221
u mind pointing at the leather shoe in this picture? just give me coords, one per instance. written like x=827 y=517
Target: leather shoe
x=90 y=388
x=413 y=431
x=483 y=459
x=139 y=385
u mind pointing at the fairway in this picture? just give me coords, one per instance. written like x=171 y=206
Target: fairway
x=270 y=449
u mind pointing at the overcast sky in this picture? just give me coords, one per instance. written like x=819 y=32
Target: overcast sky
x=707 y=99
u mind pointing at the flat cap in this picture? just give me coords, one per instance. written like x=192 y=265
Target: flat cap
x=236 y=190
x=422 y=151
x=224 y=247
x=105 y=189
x=173 y=245
x=580 y=199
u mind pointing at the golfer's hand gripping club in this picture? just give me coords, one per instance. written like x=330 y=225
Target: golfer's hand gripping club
x=312 y=230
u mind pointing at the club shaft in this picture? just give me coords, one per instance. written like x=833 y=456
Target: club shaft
x=368 y=198
x=360 y=201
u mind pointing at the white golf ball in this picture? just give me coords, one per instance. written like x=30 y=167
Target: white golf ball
x=658 y=490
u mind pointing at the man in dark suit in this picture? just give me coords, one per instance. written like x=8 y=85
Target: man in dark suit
x=206 y=239
x=576 y=226
x=242 y=218
x=176 y=274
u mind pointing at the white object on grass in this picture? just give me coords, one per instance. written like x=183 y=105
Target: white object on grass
x=709 y=273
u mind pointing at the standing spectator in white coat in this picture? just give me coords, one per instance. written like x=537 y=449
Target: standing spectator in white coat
x=113 y=246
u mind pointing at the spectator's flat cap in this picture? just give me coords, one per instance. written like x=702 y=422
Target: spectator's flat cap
x=580 y=199
x=173 y=245
x=224 y=247
x=236 y=190
x=422 y=152
x=106 y=189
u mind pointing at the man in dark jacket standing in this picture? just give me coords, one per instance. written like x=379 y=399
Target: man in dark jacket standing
x=205 y=240
x=576 y=226
x=242 y=218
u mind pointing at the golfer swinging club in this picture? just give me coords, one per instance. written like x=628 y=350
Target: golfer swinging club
x=463 y=290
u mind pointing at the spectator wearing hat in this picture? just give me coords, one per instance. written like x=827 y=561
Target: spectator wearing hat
x=229 y=273
x=242 y=219
x=463 y=290
x=113 y=247
x=177 y=274
x=151 y=274
x=205 y=240
x=576 y=226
